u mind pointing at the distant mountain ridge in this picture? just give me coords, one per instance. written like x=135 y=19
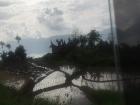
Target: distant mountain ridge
x=37 y=47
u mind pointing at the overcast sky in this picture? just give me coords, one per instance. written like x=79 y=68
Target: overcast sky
x=45 y=18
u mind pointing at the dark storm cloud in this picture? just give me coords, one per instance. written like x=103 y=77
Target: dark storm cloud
x=128 y=21
x=127 y=12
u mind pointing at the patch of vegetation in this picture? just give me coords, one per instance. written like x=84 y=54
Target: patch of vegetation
x=107 y=97
x=9 y=96
x=81 y=51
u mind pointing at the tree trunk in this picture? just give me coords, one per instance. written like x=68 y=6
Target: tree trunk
x=27 y=87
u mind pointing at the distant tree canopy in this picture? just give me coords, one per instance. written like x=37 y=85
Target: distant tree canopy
x=81 y=51
x=18 y=38
x=16 y=60
x=91 y=51
x=20 y=53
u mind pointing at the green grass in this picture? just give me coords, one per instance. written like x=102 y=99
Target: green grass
x=107 y=97
x=103 y=97
x=9 y=96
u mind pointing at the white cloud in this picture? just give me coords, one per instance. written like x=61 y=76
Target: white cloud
x=44 y=18
x=5 y=3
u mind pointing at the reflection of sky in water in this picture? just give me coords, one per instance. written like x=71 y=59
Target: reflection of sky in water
x=72 y=94
x=64 y=94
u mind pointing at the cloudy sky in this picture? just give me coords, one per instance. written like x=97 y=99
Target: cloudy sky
x=39 y=20
x=45 y=18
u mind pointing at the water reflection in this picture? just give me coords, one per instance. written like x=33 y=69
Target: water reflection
x=72 y=94
x=69 y=94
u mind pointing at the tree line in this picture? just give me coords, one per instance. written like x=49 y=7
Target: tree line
x=82 y=52
x=13 y=60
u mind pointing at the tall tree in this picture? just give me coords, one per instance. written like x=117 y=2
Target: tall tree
x=18 y=38
x=20 y=53
x=2 y=44
x=8 y=46
x=93 y=37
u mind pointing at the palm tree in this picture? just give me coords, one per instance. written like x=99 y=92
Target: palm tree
x=18 y=38
x=8 y=46
x=93 y=37
x=2 y=44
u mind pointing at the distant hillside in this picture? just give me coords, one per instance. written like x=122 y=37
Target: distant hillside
x=37 y=47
